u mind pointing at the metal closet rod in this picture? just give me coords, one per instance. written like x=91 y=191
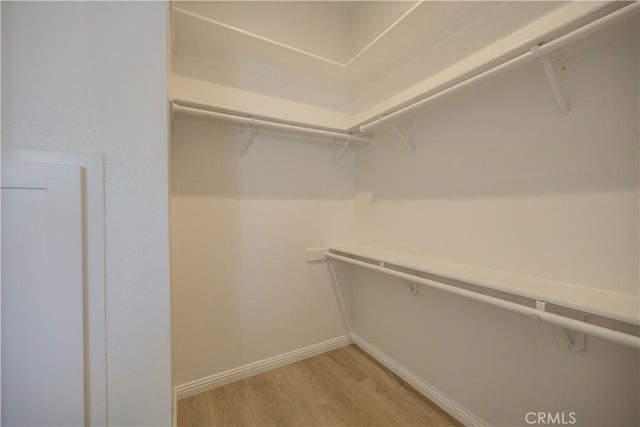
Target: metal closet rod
x=251 y=121
x=543 y=316
x=532 y=54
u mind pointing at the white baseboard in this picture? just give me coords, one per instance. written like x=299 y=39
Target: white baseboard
x=232 y=375
x=430 y=392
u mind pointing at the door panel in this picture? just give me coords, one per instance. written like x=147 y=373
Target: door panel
x=93 y=234
x=43 y=362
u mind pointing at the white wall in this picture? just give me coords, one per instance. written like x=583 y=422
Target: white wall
x=91 y=77
x=500 y=179
x=241 y=289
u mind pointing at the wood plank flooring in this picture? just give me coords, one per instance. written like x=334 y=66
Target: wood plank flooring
x=343 y=387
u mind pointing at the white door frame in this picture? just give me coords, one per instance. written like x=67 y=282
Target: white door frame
x=93 y=227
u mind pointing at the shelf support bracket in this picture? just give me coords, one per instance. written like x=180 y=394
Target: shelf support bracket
x=402 y=138
x=337 y=155
x=568 y=339
x=246 y=138
x=413 y=286
x=557 y=89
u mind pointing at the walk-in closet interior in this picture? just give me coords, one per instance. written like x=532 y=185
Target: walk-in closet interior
x=405 y=213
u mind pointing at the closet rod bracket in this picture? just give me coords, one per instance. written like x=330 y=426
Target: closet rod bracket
x=402 y=138
x=414 y=287
x=571 y=340
x=557 y=85
x=247 y=133
x=566 y=338
x=337 y=155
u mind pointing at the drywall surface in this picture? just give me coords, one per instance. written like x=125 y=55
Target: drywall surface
x=241 y=288
x=500 y=179
x=91 y=77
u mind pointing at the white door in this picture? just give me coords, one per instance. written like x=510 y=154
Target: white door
x=43 y=362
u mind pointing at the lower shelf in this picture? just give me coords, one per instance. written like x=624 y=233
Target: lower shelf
x=619 y=307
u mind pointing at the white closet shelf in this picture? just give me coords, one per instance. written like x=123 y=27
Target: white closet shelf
x=612 y=305
x=365 y=121
x=185 y=107
x=535 y=52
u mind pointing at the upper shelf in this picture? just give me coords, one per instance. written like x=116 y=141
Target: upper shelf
x=617 y=306
x=178 y=106
x=230 y=59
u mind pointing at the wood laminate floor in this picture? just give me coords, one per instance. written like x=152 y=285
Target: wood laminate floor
x=343 y=387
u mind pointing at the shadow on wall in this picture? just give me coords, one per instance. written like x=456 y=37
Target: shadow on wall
x=203 y=258
x=241 y=289
x=506 y=137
